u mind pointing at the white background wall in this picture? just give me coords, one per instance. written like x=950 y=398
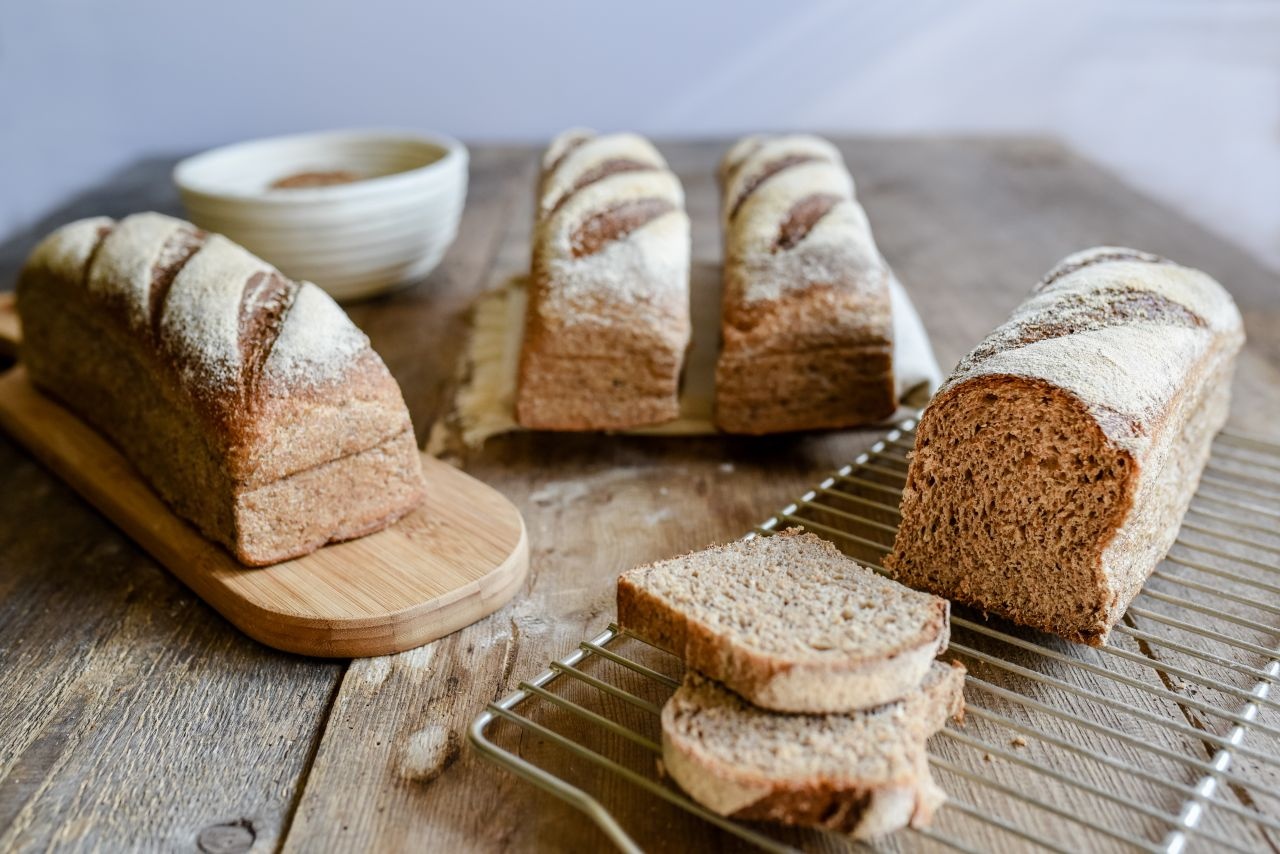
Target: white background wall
x=1181 y=98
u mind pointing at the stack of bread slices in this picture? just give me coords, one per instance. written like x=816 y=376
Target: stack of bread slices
x=811 y=683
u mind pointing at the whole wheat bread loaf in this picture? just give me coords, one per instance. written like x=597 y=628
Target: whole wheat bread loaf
x=787 y=621
x=1052 y=470
x=607 y=324
x=806 y=323
x=250 y=402
x=864 y=773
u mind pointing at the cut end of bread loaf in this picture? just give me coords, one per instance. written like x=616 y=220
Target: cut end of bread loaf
x=787 y=621
x=865 y=774
x=1013 y=494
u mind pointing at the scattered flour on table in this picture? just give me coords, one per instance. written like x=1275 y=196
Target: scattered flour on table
x=427 y=752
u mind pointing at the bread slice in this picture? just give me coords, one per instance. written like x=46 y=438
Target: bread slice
x=787 y=621
x=865 y=774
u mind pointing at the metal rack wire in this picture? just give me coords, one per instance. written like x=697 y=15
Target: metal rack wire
x=1166 y=740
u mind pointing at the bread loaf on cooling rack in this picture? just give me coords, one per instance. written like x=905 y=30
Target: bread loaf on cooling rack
x=807 y=327
x=1052 y=470
x=607 y=324
x=249 y=402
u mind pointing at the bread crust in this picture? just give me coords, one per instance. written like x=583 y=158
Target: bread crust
x=1138 y=354
x=806 y=324
x=288 y=404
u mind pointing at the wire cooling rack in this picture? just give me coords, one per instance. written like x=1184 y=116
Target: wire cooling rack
x=1166 y=740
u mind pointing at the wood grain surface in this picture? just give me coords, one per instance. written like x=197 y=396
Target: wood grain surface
x=140 y=719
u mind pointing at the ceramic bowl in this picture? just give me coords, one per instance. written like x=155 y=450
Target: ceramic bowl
x=387 y=225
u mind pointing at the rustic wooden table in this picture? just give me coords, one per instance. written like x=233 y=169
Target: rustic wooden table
x=133 y=716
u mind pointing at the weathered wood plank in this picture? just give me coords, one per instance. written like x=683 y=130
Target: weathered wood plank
x=133 y=716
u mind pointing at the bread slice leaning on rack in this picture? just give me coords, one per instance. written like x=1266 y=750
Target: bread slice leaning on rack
x=864 y=774
x=787 y=621
x=607 y=324
x=807 y=324
x=249 y=402
x=1052 y=470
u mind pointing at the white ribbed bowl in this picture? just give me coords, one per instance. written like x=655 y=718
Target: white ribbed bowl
x=354 y=240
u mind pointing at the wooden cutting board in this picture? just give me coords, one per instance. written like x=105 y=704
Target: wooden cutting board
x=459 y=557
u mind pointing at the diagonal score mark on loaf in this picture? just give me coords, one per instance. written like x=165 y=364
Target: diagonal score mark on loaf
x=773 y=167
x=1104 y=308
x=734 y=160
x=615 y=223
x=569 y=148
x=103 y=232
x=612 y=166
x=178 y=249
x=264 y=303
x=802 y=217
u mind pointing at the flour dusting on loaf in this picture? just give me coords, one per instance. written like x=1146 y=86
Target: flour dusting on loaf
x=1117 y=328
x=644 y=272
x=318 y=344
x=200 y=322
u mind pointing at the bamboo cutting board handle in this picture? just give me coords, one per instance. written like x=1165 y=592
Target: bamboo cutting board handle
x=10 y=327
x=459 y=557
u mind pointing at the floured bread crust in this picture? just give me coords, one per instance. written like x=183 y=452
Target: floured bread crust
x=806 y=315
x=1053 y=469
x=608 y=323
x=222 y=381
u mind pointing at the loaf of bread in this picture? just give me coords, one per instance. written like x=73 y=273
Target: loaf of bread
x=789 y=622
x=807 y=327
x=249 y=402
x=865 y=774
x=607 y=324
x=1052 y=470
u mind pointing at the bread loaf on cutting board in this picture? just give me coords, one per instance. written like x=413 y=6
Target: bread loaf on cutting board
x=806 y=319
x=1052 y=470
x=607 y=324
x=250 y=402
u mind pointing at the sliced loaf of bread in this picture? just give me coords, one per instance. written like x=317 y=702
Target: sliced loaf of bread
x=787 y=621
x=1052 y=470
x=865 y=774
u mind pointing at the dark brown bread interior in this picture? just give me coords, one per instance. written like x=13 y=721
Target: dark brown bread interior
x=1013 y=493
